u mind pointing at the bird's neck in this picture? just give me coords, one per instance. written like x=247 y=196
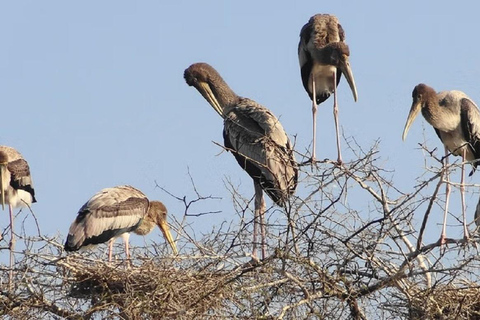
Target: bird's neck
x=225 y=96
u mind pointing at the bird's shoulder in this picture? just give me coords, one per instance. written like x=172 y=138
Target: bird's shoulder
x=12 y=153
x=321 y=30
x=19 y=168
x=252 y=119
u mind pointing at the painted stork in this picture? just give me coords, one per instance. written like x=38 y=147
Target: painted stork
x=255 y=137
x=324 y=57
x=114 y=212
x=16 y=187
x=456 y=120
x=16 y=190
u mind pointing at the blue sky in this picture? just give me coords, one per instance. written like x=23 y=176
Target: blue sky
x=93 y=95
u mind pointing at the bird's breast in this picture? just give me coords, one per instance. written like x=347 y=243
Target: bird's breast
x=324 y=79
x=456 y=143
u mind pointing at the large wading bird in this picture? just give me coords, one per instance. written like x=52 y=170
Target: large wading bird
x=16 y=190
x=16 y=185
x=456 y=120
x=114 y=212
x=255 y=137
x=324 y=57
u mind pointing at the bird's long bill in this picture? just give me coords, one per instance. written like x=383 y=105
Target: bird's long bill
x=414 y=110
x=207 y=93
x=3 y=169
x=168 y=236
x=347 y=72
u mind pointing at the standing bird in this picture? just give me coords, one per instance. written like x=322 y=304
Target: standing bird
x=255 y=137
x=456 y=120
x=114 y=212
x=324 y=56
x=16 y=187
x=16 y=190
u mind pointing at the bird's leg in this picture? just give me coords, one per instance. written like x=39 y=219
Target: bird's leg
x=466 y=235
x=314 y=116
x=126 y=238
x=110 y=249
x=335 y=116
x=443 y=236
x=259 y=207
x=12 y=248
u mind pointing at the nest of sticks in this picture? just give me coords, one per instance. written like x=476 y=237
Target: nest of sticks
x=447 y=302
x=153 y=289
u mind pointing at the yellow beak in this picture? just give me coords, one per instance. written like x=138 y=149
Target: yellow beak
x=168 y=236
x=414 y=110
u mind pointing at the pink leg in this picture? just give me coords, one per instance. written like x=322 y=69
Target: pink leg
x=335 y=116
x=314 y=116
x=110 y=249
x=466 y=235
x=12 y=248
x=259 y=212
x=443 y=236
x=126 y=237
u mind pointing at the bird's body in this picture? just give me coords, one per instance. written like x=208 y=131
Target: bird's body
x=456 y=120
x=16 y=190
x=17 y=186
x=324 y=56
x=262 y=148
x=114 y=212
x=254 y=136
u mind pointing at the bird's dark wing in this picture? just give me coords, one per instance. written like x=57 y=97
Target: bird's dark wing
x=262 y=148
x=341 y=32
x=470 y=120
x=107 y=214
x=21 y=178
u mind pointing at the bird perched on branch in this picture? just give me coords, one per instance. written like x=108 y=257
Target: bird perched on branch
x=324 y=57
x=456 y=120
x=255 y=137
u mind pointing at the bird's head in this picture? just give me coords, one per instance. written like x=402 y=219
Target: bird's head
x=338 y=54
x=420 y=94
x=157 y=212
x=3 y=173
x=202 y=76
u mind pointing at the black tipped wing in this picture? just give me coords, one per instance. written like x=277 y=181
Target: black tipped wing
x=19 y=171
x=21 y=178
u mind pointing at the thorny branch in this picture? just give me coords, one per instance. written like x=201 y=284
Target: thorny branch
x=361 y=254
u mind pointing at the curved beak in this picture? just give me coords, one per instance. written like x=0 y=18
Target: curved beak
x=168 y=236
x=414 y=110
x=207 y=93
x=3 y=171
x=347 y=72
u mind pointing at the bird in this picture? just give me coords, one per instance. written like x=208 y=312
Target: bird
x=16 y=190
x=324 y=56
x=256 y=139
x=114 y=212
x=16 y=186
x=456 y=120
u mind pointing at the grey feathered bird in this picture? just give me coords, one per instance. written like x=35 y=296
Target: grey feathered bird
x=254 y=136
x=324 y=57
